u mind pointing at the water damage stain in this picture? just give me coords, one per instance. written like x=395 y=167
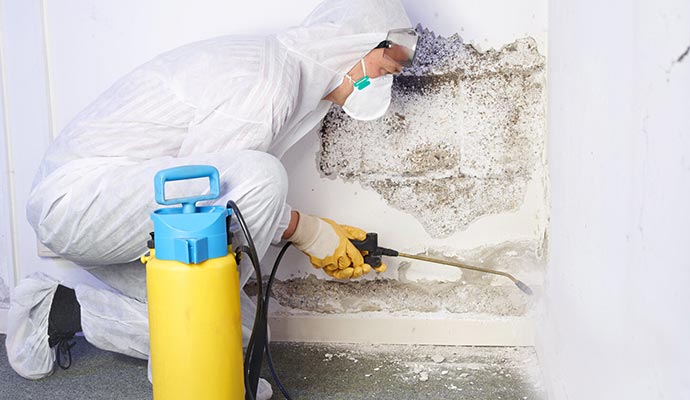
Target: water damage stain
x=463 y=135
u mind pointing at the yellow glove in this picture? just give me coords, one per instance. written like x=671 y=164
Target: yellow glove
x=328 y=246
x=353 y=233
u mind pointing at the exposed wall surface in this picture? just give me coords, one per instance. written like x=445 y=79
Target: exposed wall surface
x=456 y=168
x=461 y=139
x=617 y=322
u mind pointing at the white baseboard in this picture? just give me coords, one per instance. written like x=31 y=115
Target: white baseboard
x=3 y=320
x=381 y=329
x=508 y=331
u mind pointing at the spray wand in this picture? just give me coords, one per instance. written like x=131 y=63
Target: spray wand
x=374 y=253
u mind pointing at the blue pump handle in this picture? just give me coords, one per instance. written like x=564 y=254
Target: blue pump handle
x=182 y=173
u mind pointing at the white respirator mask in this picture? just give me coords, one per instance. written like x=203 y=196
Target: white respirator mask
x=370 y=98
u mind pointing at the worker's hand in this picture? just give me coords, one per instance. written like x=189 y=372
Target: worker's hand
x=328 y=246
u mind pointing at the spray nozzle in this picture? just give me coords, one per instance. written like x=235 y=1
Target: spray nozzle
x=374 y=253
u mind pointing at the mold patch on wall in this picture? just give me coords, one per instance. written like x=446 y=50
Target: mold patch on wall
x=462 y=138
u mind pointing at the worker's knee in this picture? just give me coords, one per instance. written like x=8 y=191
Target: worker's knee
x=276 y=177
x=261 y=176
x=42 y=212
x=57 y=228
x=82 y=219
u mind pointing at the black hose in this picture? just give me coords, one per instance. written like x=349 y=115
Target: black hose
x=247 y=393
x=269 y=359
x=254 y=355
x=251 y=356
x=275 y=375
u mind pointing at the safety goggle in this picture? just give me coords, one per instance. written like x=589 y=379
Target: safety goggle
x=400 y=45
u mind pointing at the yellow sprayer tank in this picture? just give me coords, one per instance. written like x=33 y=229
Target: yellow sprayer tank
x=193 y=296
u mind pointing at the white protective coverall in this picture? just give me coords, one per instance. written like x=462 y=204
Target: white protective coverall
x=237 y=103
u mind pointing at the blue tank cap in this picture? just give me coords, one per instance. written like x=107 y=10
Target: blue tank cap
x=189 y=234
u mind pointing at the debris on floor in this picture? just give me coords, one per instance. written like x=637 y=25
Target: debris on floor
x=361 y=371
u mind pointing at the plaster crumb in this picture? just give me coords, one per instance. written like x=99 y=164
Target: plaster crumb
x=464 y=375
x=453 y=387
x=437 y=358
x=463 y=135
x=424 y=376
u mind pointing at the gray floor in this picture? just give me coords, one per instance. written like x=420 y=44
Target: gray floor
x=311 y=371
x=94 y=375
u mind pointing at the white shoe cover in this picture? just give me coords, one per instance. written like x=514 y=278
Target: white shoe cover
x=264 y=390
x=27 y=327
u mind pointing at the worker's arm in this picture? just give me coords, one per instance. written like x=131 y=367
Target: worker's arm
x=292 y=225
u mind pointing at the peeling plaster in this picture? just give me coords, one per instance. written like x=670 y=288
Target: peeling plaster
x=462 y=138
x=317 y=295
x=475 y=293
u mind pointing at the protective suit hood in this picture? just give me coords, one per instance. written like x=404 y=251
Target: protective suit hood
x=328 y=43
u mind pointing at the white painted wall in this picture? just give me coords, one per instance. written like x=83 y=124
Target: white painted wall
x=59 y=55
x=618 y=320
x=7 y=242
x=25 y=128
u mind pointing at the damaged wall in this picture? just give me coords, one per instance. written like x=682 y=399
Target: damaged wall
x=463 y=135
x=456 y=168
